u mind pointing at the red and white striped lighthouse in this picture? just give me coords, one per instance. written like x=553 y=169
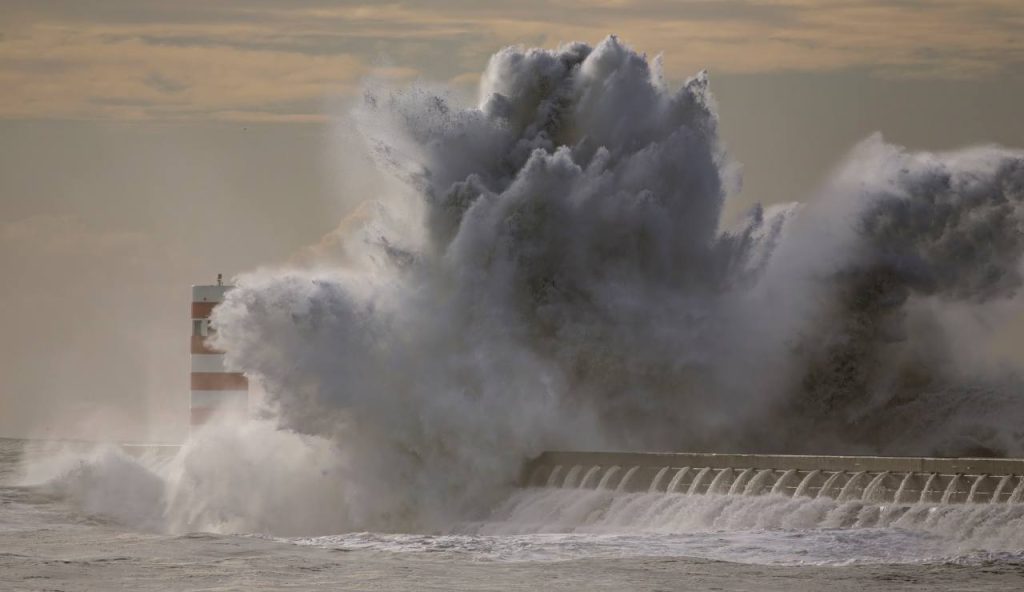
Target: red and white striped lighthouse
x=214 y=389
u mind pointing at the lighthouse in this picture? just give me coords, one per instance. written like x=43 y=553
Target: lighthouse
x=214 y=388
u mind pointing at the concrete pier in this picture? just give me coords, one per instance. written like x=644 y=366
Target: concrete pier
x=868 y=478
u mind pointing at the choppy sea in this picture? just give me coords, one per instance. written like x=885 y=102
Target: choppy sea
x=538 y=539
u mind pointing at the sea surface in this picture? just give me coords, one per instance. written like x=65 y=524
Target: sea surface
x=539 y=539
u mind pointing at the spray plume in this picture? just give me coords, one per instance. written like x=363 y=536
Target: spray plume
x=548 y=270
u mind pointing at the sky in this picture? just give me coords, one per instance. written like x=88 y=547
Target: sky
x=148 y=145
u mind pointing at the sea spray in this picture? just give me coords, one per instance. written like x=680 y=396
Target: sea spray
x=565 y=221
x=548 y=270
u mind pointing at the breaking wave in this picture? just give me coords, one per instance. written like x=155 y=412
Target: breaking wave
x=549 y=270
x=959 y=528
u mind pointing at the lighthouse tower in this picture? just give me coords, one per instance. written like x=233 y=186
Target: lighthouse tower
x=214 y=389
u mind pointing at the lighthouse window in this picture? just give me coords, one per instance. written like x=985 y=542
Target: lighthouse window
x=197 y=327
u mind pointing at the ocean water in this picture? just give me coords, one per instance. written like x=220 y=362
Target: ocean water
x=537 y=539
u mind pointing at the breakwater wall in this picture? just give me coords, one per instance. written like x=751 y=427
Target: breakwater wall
x=868 y=478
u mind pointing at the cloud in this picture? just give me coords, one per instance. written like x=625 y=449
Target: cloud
x=55 y=71
x=256 y=60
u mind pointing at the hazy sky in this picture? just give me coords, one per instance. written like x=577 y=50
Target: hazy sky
x=148 y=145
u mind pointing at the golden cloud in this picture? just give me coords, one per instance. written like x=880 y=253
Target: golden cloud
x=259 y=63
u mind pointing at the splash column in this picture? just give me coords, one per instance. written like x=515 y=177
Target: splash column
x=214 y=389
